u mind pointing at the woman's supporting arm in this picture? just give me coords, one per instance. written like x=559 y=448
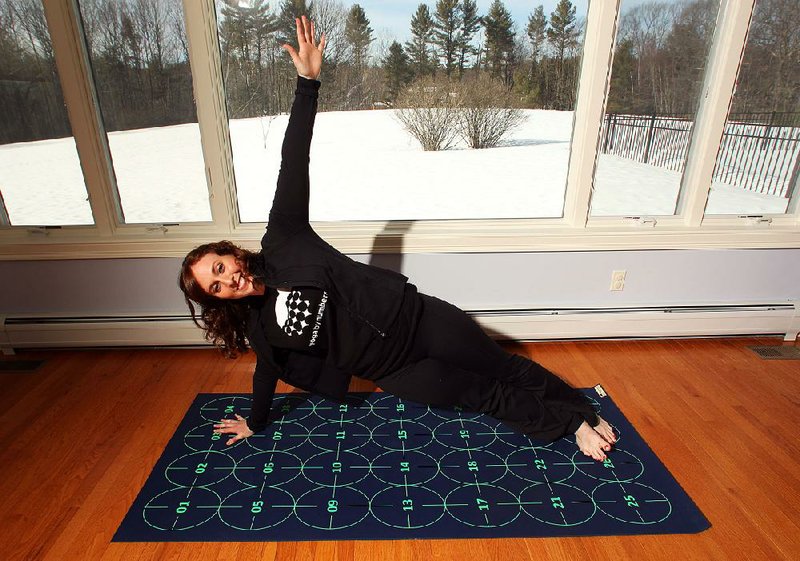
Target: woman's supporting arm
x=264 y=383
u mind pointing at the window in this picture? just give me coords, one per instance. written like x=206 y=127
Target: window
x=366 y=165
x=177 y=110
x=41 y=182
x=140 y=62
x=758 y=164
x=656 y=80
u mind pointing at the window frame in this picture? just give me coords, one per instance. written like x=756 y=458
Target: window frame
x=689 y=228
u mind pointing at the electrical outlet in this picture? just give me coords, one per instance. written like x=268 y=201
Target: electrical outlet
x=617 y=280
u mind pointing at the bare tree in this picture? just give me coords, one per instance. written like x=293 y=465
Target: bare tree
x=486 y=113
x=428 y=111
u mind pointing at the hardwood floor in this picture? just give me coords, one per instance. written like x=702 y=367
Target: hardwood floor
x=81 y=434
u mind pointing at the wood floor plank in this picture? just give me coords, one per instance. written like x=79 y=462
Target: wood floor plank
x=82 y=433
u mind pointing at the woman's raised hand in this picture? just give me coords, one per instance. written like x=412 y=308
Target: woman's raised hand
x=307 y=57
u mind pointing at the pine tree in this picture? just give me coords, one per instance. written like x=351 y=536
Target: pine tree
x=245 y=34
x=420 y=48
x=358 y=34
x=397 y=69
x=537 y=25
x=291 y=9
x=470 y=24
x=447 y=22
x=499 y=41
x=563 y=36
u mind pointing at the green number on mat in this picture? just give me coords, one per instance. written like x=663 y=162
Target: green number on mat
x=277 y=435
x=464 y=433
x=404 y=466
x=630 y=500
x=183 y=507
x=401 y=407
x=343 y=408
x=229 y=409
x=269 y=467
x=216 y=436
x=482 y=504
x=201 y=468
x=539 y=464
x=333 y=505
x=408 y=504
x=607 y=463
x=402 y=435
x=472 y=465
x=340 y=435
x=257 y=507
x=336 y=467
x=557 y=502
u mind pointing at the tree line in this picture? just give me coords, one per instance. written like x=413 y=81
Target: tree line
x=139 y=55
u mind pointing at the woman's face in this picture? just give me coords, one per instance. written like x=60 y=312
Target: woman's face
x=222 y=276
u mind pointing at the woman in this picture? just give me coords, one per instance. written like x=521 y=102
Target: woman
x=314 y=316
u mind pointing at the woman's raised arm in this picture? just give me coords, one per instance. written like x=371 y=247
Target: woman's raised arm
x=290 y=206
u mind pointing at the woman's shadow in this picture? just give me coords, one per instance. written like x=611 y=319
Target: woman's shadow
x=386 y=253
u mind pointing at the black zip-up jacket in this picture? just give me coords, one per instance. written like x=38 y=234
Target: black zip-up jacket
x=294 y=255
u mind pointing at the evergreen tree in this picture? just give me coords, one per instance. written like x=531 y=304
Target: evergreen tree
x=291 y=9
x=397 y=70
x=470 y=24
x=499 y=41
x=420 y=48
x=447 y=22
x=622 y=88
x=245 y=38
x=537 y=25
x=358 y=34
x=563 y=36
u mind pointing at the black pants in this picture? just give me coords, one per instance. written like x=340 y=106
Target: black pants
x=452 y=361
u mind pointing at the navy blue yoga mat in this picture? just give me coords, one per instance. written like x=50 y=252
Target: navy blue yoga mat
x=378 y=467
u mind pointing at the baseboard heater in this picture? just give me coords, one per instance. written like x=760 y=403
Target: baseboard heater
x=523 y=324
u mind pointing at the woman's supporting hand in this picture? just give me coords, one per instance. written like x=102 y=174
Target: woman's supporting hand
x=239 y=427
x=307 y=58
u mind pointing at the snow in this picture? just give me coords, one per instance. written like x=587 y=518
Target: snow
x=364 y=166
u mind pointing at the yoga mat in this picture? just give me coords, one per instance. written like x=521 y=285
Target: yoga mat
x=378 y=467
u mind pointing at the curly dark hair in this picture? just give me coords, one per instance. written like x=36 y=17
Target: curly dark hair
x=224 y=322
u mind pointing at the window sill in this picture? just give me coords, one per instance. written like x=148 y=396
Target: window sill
x=458 y=236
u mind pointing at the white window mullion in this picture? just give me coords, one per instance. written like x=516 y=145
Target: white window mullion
x=212 y=114
x=730 y=36
x=598 y=51
x=77 y=85
x=794 y=202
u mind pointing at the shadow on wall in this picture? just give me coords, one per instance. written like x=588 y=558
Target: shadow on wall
x=387 y=253
x=391 y=238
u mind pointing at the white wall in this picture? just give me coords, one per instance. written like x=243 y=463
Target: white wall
x=472 y=281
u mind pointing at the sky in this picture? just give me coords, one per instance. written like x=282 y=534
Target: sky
x=393 y=17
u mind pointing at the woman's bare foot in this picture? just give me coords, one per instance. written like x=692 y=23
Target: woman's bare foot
x=591 y=443
x=605 y=430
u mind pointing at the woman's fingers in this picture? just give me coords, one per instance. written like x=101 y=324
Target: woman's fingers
x=322 y=42
x=307 y=31
x=300 y=32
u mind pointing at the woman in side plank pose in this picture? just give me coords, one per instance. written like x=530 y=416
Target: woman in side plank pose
x=314 y=317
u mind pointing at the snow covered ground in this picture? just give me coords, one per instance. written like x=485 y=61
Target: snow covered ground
x=364 y=166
